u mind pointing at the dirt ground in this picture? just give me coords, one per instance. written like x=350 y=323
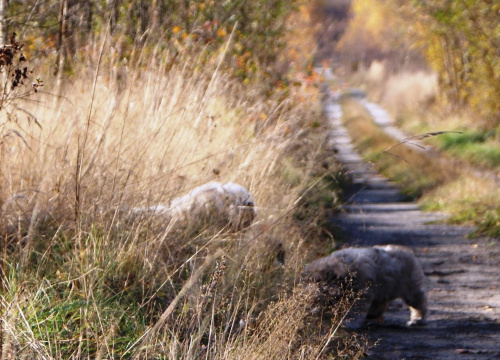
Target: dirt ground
x=463 y=275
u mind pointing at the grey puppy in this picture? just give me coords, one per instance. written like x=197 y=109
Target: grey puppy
x=381 y=274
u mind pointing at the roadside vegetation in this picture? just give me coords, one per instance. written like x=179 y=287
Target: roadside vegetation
x=440 y=181
x=414 y=103
x=126 y=120
x=434 y=67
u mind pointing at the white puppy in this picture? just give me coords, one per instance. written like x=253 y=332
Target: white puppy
x=381 y=273
x=227 y=204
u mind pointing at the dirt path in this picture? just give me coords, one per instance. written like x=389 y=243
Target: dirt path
x=463 y=276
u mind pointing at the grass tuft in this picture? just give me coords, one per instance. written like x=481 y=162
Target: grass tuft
x=479 y=147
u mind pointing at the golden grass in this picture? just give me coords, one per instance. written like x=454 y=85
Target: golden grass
x=81 y=278
x=399 y=92
x=410 y=91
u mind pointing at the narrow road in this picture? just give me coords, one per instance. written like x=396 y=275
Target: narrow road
x=463 y=276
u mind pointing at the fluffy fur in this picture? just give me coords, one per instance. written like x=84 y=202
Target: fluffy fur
x=381 y=274
x=228 y=204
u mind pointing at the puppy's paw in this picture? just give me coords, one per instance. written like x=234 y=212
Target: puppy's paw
x=416 y=322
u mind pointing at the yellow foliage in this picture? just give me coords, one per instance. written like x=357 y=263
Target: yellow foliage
x=374 y=24
x=369 y=14
x=458 y=39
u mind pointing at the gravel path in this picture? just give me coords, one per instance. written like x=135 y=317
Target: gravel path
x=463 y=276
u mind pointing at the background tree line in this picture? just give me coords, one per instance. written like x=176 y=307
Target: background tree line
x=66 y=30
x=459 y=39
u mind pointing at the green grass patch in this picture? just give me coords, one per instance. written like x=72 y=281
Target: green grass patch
x=471 y=201
x=453 y=140
x=478 y=147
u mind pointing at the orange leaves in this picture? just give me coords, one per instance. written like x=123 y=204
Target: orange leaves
x=221 y=32
x=242 y=59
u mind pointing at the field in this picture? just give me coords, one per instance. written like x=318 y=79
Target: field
x=85 y=277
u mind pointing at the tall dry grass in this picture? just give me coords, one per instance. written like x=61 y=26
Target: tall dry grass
x=400 y=92
x=81 y=278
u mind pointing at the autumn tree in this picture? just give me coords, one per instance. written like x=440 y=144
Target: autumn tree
x=376 y=31
x=68 y=29
x=332 y=16
x=463 y=46
x=458 y=39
